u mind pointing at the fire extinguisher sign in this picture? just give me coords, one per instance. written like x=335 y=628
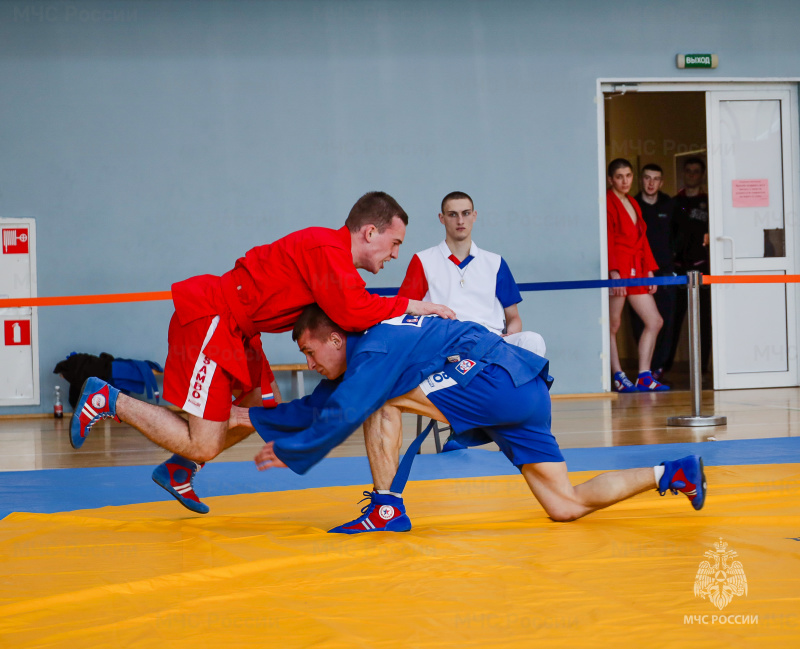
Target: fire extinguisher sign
x=15 y=241
x=17 y=332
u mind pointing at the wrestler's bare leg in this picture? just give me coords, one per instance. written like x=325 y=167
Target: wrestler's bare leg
x=383 y=433
x=548 y=481
x=383 y=436
x=197 y=439
x=550 y=485
x=416 y=403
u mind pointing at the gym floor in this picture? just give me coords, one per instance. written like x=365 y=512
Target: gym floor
x=95 y=555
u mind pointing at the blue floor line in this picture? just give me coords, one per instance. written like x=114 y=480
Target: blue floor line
x=64 y=490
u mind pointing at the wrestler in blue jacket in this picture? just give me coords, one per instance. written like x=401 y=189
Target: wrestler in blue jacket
x=486 y=388
x=384 y=362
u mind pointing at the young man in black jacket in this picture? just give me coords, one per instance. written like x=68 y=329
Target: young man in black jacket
x=657 y=212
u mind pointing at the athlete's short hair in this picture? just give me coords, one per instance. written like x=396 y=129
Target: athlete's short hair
x=316 y=321
x=653 y=167
x=695 y=161
x=454 y=196
x=618 y=163
x=375 y=208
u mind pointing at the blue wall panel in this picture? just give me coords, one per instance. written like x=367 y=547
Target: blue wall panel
x=157 y=140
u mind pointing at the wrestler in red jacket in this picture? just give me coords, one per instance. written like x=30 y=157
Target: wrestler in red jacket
x=215 y=353
x=264 y=293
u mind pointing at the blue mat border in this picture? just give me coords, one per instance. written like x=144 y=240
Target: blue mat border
x=64 y=490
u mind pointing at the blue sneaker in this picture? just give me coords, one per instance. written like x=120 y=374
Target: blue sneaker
x=623 y=384
x=685 y=475
x=384 y=513
x=98 y=401
x=176 y=476
x=647 y=383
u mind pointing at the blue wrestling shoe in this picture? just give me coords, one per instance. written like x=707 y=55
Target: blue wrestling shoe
x=98 y=401
x=623 y=384
x=685 y=475
x=647 y=383
x=384 y=513
x=176 y=476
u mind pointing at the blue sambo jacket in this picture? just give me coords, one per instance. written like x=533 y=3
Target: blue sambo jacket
x=384 y=362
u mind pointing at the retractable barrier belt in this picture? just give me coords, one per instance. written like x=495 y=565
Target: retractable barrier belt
x=577 y=284
x=114 y=298
x=750 y=279
x=68 y=300
x=602 y=283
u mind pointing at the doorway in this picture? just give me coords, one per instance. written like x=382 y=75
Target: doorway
x=664 y=129
x=745 y=132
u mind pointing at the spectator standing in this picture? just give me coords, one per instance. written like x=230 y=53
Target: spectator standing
x=657 y=212
x=629 y=256
x=690 y=232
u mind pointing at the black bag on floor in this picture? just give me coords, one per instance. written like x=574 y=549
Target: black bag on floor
x=123 y=373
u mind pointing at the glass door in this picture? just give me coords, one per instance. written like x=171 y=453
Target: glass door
x=751 y=227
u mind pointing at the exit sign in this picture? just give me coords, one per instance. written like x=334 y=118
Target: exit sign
x=697 y=61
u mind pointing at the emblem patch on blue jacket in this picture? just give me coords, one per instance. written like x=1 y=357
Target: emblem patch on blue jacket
x=465 y=366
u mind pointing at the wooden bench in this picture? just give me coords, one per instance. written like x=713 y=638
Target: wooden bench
x=298 y=384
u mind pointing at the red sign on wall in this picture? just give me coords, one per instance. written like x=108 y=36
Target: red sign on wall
x=15 y=241
x=17 y=332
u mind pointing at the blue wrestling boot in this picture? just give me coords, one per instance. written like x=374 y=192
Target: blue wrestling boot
x=685 y=475
x=623 y=384
x=384 y=513
x=648 y=383
x=176 y=476
x=98 y=401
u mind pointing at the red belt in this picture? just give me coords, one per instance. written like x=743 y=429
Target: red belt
x=230 y=291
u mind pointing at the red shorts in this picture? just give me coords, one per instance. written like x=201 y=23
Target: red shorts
x=196 y=382
x=632 y=267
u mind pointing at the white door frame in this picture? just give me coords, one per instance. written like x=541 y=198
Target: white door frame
x=696 y=84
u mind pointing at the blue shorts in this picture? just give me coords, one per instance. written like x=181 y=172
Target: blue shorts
x=491 y=408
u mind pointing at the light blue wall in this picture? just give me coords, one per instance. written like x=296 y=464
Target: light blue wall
x=157 y=140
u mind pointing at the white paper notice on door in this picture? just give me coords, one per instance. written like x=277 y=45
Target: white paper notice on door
x=751 y=193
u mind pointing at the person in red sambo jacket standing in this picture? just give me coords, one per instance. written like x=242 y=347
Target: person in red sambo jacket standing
x=629 y=256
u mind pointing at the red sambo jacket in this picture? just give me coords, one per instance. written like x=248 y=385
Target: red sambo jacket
x=269 y=287
x=628 y=249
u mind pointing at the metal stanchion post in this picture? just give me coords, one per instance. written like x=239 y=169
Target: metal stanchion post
x=695 y=375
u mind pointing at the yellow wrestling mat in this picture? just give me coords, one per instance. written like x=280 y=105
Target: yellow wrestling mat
x=483 y=567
